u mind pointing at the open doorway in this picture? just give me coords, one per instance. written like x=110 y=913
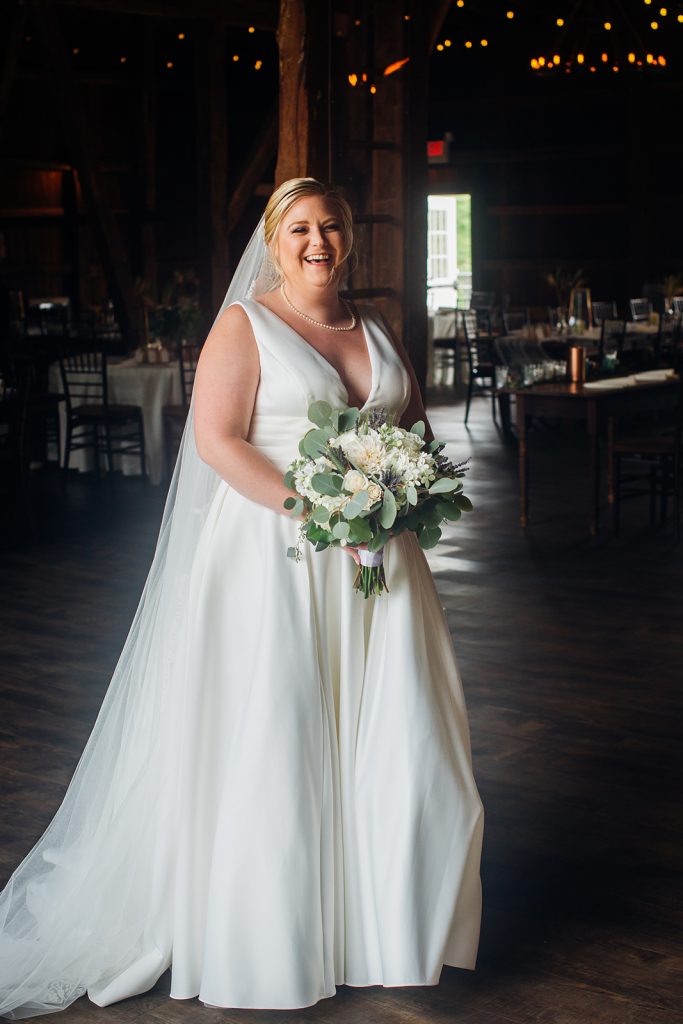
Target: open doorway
x=449 y=251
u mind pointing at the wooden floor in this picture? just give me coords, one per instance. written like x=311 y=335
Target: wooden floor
x=571 y=651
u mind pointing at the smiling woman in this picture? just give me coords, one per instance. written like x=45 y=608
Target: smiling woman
x=278 y=796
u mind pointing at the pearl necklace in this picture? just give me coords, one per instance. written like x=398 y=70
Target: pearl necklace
x=319 y=323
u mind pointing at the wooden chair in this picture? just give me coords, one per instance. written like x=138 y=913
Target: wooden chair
x=481 y=359
x=604 y=311
x=653 y=456
x=640 y=309
x=515 y=321
x=92 y=421
x=176 y=415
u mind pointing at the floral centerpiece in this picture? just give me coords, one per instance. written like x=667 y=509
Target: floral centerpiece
x=361 y=479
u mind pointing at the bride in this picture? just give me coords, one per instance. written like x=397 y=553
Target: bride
x=277 y=796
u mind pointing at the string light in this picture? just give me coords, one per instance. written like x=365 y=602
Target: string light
x=181 y=35
x=251 y=30
x=484 y=42
x=446 y=42
x=556 y=58
x=123 y=60
x=75 y=51
x=679 y=19
x=258 y=65
x=560 y=22
x=439 y=47
x=631 y=58
x=235 y=57
x=604 y=58
x=396 y=66
x=373 y=89
x=615 y=68
x=608 y=26
x=534 y=63
x=353 y=80
x=468 y=44
x=580 y=58
x=654 y=25
x=541 y=62
x=169 y=64
x=661 y=61
x=460 y=3
x=663 y=11
x=509 y=15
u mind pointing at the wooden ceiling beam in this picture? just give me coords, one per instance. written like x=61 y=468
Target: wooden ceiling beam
x=262 y=14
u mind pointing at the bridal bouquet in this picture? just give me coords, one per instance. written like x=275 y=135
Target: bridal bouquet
x=360 y=480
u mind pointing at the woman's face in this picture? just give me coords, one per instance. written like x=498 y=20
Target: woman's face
x=309 y=242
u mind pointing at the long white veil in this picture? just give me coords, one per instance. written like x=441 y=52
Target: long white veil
x=89 y=908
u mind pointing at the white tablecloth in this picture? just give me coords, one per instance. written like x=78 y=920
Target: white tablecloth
x=151 y=386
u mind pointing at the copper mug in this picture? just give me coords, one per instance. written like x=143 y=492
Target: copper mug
x=577 y=364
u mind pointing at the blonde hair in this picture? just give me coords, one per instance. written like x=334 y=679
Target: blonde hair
x=287 y=194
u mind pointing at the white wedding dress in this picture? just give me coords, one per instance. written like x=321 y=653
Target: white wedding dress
x=315 y=821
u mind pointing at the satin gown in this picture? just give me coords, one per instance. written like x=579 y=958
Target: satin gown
x=326 y=827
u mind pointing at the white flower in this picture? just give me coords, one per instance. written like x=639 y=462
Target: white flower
x=355 y=481
x=374 y=493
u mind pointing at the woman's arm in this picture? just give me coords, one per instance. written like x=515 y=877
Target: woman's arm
x=225 y=391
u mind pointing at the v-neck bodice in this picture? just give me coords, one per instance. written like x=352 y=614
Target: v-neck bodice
x=294 y=374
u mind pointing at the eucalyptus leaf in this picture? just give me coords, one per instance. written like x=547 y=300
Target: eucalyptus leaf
x=319 y=413
x=341 y=531
x=418 y=428
x=387 y=513
x=411 y=494
x=430 y=537
x=356 y=506
x=348 y=418
x=379 y=540
x=315 y=443
x=292 y=553
x=297 y=508
x=448 y=510
x=289 y=478
x=327 y=483
x=444 y=485
x=321 y=545
x=463 y=502
x=290 y=502
x=321 y=514
x=360 y=530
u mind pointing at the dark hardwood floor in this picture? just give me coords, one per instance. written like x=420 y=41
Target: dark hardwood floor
x=571 y=651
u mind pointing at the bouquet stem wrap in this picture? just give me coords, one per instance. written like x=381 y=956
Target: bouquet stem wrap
x=370 y=578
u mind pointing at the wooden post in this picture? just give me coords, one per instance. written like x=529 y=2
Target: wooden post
x=292 y=156
x=105 y=230
x=212 y=165
x=422 y=32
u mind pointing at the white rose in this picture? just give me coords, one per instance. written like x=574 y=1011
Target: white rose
x=355 y=481
x=374 y=493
